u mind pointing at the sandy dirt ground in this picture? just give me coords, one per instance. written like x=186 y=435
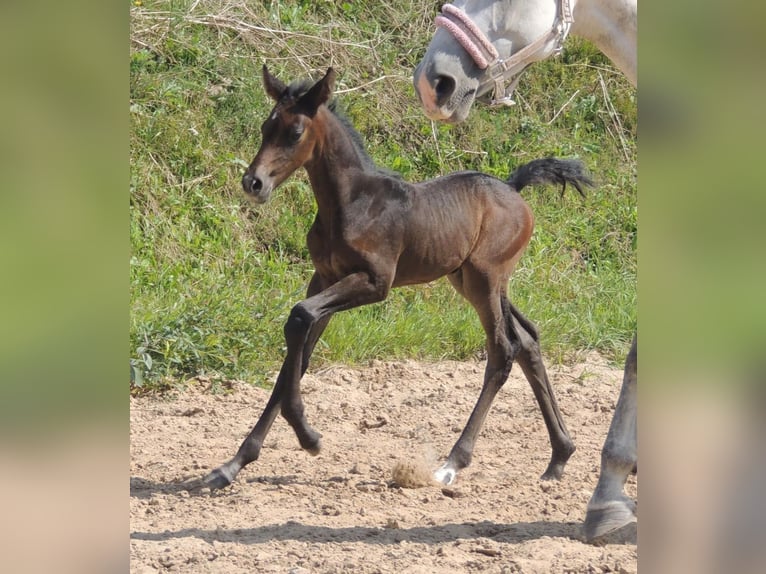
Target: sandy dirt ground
x=342 y=511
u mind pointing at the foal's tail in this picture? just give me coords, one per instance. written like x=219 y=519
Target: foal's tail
x=551 y=170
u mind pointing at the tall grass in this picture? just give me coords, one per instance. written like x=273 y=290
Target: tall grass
x=213 y=278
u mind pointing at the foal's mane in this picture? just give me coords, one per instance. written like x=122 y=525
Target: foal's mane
x=296 y=89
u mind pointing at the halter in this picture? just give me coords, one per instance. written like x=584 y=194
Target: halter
x=485 y=55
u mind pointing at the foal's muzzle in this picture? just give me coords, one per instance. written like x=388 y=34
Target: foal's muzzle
x=255 y=188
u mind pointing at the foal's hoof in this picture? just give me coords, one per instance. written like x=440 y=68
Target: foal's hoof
x=217 y=479
x=559 y=460
x=312 y=443
x=553 y=472
x=315 y=449
x=446 y=475
x=608 y=518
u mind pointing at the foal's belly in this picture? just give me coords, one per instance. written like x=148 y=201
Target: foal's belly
x=414 y=268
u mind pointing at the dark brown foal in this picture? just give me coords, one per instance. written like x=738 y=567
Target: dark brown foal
x=374 y=231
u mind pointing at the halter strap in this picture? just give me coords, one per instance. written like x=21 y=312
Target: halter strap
x=458 y=23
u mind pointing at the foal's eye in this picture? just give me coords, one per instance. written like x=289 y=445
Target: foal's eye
x=295 y=134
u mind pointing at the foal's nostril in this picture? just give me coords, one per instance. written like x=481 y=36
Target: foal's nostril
x=251 y=183
x=444 y=86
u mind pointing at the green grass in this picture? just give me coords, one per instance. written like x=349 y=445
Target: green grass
x=213 y=278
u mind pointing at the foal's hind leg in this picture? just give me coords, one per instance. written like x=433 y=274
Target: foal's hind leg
x=531 y=363
x=501 y=350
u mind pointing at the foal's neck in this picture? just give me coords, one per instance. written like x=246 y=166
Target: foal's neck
x=612 y=26
x=334 y=156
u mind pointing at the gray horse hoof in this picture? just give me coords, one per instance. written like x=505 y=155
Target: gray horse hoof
x=608 y=518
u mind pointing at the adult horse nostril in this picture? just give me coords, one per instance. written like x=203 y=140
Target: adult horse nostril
x=444 y=86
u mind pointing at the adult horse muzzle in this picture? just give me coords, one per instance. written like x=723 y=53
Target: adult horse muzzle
x=501 y=75
x=442 y=96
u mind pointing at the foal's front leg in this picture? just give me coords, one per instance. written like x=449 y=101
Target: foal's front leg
x=250 y=448
x=352 y=291
x=306 y=322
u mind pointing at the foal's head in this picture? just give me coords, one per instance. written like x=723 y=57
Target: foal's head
x=289 y=134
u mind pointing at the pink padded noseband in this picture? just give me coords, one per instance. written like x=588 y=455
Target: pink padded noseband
x=460 y=25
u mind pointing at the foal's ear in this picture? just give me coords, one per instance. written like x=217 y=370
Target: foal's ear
x=318 y=94
x=274 y=86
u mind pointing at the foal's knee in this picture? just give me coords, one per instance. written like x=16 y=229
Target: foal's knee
x=298 y=325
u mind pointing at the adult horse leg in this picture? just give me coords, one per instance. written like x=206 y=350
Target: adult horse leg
x=609 y=508
x=250 y=448
x=531 y=363
x=502 y=347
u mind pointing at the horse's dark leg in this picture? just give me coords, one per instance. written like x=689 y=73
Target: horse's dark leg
x=301 y=338
x=502 y=347
x=315 y=286
x=609 y=508
x=531 y=363
x=306 y=322
x=354 y=290
x=250 y=448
